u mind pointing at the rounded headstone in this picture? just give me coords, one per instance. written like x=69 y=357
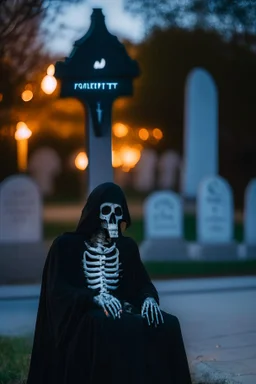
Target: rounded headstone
x=168 y=170
x=163 y=216
x=215 y=211
x=20 y=210
x=44 y=166
x=201 y=130
x=250 y=213
x=145 y=171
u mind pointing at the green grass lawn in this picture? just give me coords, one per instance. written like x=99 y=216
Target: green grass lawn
x=187 y=269
x=51 y=230
x=176 y=269
x=14 y=360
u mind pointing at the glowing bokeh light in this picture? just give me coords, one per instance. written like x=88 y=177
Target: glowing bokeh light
x=29 y=87
x=22 y=134
x=116 y=159
x=120 y=130
x=158 y=134
x=22 y=131
x=129 y=156
x=27 y=95
x=81 y=161
x=50 y=70
x=49 y=84
x=143 y=134
x=1 y=97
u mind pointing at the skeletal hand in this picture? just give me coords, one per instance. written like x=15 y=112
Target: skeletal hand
x=151 y=311
x=110 y=304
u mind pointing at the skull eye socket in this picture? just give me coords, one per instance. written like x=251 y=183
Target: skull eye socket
x=118 y=211
x=106 y=210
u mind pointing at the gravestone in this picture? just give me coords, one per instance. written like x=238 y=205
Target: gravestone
x=169 y=166
x=145 y=171
x=215 y=220
x=249 y=246
x=200 y=131
x=22 y=251
x=163 y=222
x=97 y=72
x=44 y=166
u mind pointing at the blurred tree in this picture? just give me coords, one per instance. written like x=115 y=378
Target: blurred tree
x=235 y=19
x=23 y=32
x=166 y=58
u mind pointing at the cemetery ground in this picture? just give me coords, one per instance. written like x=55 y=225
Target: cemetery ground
x=217 y=316
x=59 y=218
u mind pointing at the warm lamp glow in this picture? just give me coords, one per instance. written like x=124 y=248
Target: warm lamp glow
x=130 y=156
x=1 y=97
x=116 y=159
x=158 y=134
x=143 y=134
x=50 y=70
x=27 y=95
x=22 y=135
x=120 y=130
x=81 y=161
x=49 y=84
x=29 y=87
x=22 y=131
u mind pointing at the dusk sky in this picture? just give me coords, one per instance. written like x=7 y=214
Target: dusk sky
x=77 y=20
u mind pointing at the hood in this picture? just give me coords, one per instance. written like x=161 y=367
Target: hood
x=90 y=221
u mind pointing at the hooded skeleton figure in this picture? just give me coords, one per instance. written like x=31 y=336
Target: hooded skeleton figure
x=97 y=307
x=105 y=210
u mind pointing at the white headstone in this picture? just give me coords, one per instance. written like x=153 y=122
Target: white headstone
x=163 y=216
x=250 y=213
x=201 y=131
x=44 y=166
x=20 y=210
x=215 y=211
x=145 y=171
x=168 y=170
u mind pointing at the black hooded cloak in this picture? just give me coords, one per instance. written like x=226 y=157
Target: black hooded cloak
x=74 y=341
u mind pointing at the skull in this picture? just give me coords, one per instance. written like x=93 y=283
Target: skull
x=111 y=214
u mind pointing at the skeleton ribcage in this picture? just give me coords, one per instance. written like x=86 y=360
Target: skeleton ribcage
x=101 y=267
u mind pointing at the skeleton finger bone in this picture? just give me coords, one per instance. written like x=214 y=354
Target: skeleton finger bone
x=156 y=315
x=112 y=310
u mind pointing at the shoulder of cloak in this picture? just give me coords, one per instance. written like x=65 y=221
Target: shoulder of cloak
x=65 y=244
x=129 y=241
x=68 y=238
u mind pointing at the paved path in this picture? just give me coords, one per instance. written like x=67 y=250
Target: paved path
x=218 y=319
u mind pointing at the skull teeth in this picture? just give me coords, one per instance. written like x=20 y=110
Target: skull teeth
x=112 y=227
x=113 y=233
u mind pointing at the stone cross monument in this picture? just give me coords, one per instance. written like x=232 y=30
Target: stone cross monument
x=97 y=72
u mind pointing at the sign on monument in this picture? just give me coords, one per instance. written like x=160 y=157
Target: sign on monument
x=20 y=210
x=250 y=214
x=97 y=72
x=163 y=216
x=215 y=212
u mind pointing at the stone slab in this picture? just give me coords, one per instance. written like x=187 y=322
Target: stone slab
x=163 y=250
x=247 y=252
x=20 y=210
x=22 y=263
x=213 y=252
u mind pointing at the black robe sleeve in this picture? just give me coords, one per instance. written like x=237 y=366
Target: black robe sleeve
x=66 y=300
x=142 y=283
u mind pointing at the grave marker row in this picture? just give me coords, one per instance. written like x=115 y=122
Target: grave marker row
x=163 y=220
